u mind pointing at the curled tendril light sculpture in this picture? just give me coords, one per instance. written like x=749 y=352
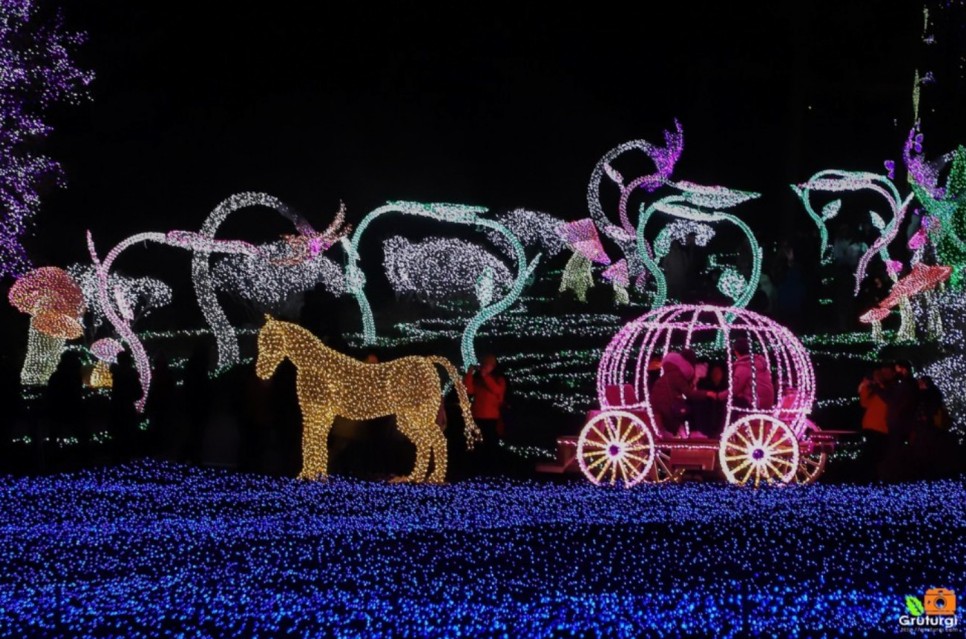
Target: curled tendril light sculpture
x=836 y=181
x=306 y=245
x=693 y=210
x=664 y=159
x=119 y=318
x=330 y=384
x=456 y=214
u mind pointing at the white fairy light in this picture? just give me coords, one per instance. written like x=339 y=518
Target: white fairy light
x=204 y=284
x=141 y=295
x=271 y=277
x=532 y=229
x=439 y=268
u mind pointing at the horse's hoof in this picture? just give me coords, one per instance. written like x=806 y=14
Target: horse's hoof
x=312 y=476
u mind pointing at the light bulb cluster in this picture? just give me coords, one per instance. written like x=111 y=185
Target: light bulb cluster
x=331 y=384
x=532 y=228
x=205 y=284
x=38 y=73
x=440 y=268
x=152 y=548
x=136 y=297
x=271 y=277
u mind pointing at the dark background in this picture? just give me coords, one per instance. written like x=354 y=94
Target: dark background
x=194 y=102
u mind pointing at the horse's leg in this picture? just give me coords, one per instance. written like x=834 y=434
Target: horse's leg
x=410 y=425
x=315 y=443
x=438 y=475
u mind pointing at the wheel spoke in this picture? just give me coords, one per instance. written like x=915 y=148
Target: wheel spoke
x=778 y=473
x=596 y=463
x=610 y=467
x=640 y=433
x=643 y=460
x=601 y=437
x=744 y=439
x=751 y=468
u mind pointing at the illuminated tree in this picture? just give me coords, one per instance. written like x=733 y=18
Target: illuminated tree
x=945 y=202
x=37 y=72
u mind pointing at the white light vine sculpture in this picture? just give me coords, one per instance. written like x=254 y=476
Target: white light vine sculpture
x=836 y=181
x=457 y=214
x=121 y=319
x=306 y=246
x=694 y=210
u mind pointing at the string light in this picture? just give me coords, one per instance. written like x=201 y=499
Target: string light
x=138 y=296
x=836 y=181
x=444 y=212
x=196 y=551
x=760 y=442
x=330 y=384
x=693 y=220
x=619 y=277
x=532 y=229
x=55 y=304
x=205 y=286
x=920 y=279
x=269 y=278
x=106 y=351
x=122 y=316
x=663 y=157
x=946 y=203
x=38 y=73
x=440 y=268
x=582 y=238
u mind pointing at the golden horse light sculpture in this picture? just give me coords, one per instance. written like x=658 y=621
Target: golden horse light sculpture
x=329 y=383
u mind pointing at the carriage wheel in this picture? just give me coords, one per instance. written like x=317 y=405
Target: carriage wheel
x=810 y=467
x=759 y=449
x=662 y=471
x=616 y=446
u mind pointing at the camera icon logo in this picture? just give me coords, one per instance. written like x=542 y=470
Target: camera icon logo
x=939 y=601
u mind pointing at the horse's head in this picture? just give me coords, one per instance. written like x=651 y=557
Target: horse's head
x=271 y=348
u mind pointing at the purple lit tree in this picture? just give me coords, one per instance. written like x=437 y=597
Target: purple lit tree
x=37 y=72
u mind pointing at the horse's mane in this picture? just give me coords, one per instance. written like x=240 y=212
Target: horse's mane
x=294 y=333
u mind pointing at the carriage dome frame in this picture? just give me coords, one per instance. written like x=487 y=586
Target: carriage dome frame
x=622 y=376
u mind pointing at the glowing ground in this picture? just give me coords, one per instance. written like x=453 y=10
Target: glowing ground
x=159 y=549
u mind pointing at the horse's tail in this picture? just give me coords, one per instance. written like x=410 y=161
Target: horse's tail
x=472 y=431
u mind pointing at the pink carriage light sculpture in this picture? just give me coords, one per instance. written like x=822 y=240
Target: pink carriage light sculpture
x=770 y=441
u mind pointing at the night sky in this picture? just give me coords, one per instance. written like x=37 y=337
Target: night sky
x=496 y=109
